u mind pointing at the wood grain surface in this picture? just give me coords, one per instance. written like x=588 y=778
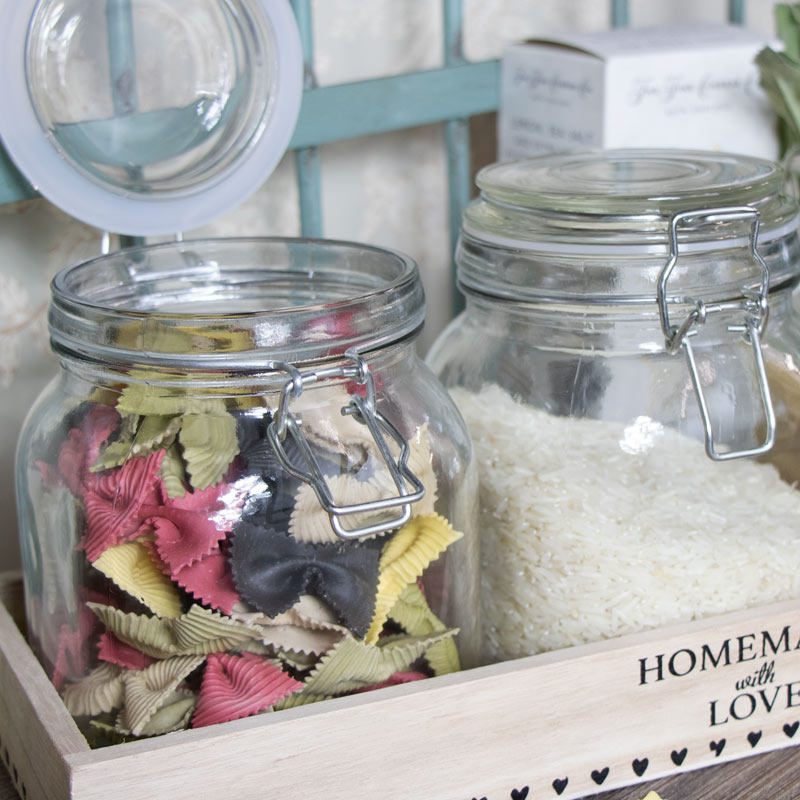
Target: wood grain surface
x=772 y=776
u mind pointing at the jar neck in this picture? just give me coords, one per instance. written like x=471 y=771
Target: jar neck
x=233 y=382
x=233 y=306
x=610 y=275
x=614 y=329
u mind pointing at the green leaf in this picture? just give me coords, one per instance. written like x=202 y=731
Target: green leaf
x=780 y=79
x=787 y=23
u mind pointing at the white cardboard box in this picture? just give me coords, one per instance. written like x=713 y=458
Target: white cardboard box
x=688 y=86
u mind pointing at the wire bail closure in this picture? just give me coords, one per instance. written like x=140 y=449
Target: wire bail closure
x=363 y=409
x=755 y=309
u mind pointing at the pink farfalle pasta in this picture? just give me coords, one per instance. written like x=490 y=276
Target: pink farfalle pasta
x=209 y=580
x=183 y=536
x=114 y=504
x=396 y=680
x=83 y=444
x=73 y=654
x=115 y=651
x=236 y=686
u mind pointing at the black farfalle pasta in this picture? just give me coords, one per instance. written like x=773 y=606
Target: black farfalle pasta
x=272 y=496
x=254 y=446
x=272 y=570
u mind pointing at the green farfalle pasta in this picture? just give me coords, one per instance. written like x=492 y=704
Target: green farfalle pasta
x=149 y=690
x=174 y=715
x=404 y=558
x=202 y=630
x=297 y=661
x=98 y=693
x=209 y=445
x=101 y=733
x=301 y=699
x=398 y=653
x=205 y=430
x=173 y=472
x=148 y=434
x=115 y=455
x=353 y=665
x=144 y=399
x=149 y=635
x=198 y=632
x=155 y=432
x=412 y=613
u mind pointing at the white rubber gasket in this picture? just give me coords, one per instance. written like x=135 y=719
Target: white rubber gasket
x=37 y=158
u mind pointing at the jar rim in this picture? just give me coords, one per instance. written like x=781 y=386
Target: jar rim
x=630 y=182
x=235 y=302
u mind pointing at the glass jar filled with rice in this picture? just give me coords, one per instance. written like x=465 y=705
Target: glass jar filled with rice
x=628 y=364
x=244 y=491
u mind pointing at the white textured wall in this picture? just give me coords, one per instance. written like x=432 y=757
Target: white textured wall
x=387 y=190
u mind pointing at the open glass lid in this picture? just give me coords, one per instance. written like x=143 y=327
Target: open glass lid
x=147 y=117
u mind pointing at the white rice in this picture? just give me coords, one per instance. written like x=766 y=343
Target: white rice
x=592 y=529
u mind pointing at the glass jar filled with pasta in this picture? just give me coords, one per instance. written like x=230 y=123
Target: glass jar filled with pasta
x=628 y=365
x=244 y=491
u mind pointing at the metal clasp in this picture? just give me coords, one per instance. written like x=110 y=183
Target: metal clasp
x=363 y=409
x=753 y=305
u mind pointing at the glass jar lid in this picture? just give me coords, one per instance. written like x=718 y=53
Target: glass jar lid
x=624 y=197
x=631 y=182
x=601 y=225
x=148 y=117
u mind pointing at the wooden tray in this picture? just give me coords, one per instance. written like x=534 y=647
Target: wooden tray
x=557 y=725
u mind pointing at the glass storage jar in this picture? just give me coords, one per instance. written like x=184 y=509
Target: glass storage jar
x=243 y=491
x=627 y=364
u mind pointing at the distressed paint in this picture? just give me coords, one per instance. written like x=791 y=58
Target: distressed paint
x=619 y=14
x=402 y=101
x=456 y=141
x=307 y=159
x=736 y=11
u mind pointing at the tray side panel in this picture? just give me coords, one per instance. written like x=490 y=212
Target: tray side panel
x=560 y=725
x=36 y=731
x=12 y=598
